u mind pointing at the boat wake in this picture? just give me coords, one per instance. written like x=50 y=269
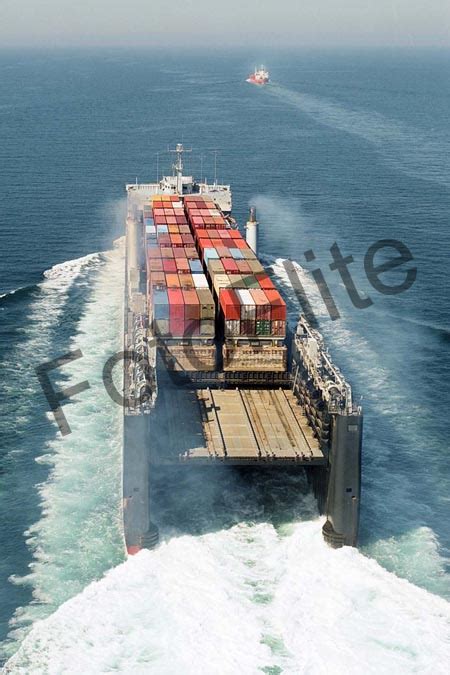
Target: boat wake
x=77 y=537
x=247 y=600
x=416 y=152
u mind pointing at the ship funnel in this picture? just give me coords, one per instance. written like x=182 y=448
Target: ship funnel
x=252 y=230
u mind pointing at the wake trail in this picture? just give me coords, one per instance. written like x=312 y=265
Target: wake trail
x=77 y=537
x=418 y=153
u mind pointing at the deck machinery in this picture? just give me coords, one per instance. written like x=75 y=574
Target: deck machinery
x=186 y=413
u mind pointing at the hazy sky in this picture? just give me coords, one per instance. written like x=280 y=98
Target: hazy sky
x=226 y=23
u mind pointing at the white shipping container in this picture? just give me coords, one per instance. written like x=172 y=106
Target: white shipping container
x=200 y=281
x=248 y=305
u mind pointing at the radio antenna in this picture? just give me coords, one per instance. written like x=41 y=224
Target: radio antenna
x=215 y=166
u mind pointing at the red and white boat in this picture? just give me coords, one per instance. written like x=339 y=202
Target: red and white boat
x=260 y=76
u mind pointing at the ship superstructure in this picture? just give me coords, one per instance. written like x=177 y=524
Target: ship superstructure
x=211 y=373
x=260 y=76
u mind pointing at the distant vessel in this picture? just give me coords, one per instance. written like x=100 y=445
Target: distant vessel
x=260 y=76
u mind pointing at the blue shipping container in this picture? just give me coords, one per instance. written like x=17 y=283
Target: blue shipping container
x=195 y=265
x=160 y=304
x=210 y=254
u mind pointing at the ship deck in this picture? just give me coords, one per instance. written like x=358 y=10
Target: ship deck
x=234 y=426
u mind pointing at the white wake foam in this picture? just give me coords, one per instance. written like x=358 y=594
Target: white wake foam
x=245 y=600
x=70 y=269
x=78 y=536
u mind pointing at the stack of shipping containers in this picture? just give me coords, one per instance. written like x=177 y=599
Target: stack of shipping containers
x=251 y=309
x=180 y=304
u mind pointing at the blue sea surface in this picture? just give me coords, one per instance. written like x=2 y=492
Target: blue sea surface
x=350 y=147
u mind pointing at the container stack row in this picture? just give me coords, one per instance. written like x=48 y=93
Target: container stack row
x=249 y=302
x=252 y=310
x=180 y=303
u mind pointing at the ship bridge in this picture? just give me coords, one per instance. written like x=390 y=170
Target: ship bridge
x=178 y=184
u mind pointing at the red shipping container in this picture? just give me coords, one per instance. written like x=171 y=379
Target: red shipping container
x=169 y=265
x=182 y=264
x=157 y=204
x=171 y=220
x=179 y=252
x=229 y=265
x=223 y=234
x=201 y=234
x=196 y=220
x=158 y=212
x=181 y=220
x=176 y=240
x=228 y=243
x=176 y=303
x=277 y=305
x=168 y=211
x=240 y=243
x=188 y=239
x=234 y=234
x=153 y=253
x=176 y=327
x=191 y=305
x=159 y=220
x=209 y=220
x=164 y=239
x=264 y=281
x=230 y=304
x=214 y=234
x=248 y=327
x=191 y=327
x=263 y=309
x=195 y=212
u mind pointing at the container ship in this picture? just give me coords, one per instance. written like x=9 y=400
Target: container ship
x=212 y=372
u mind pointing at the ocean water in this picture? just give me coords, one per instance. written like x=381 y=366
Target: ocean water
x=342 y=147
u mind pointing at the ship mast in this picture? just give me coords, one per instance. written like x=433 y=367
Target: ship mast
x=178 y=166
